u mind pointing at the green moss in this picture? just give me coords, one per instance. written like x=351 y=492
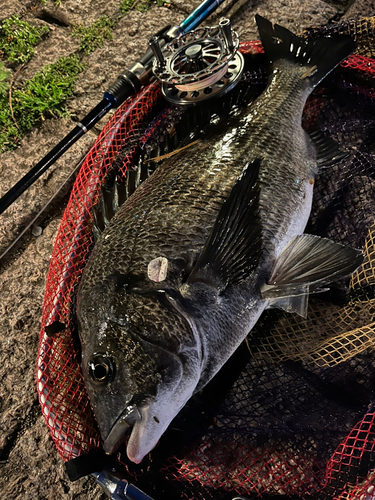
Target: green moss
x=18 y=39
x=57 y=2
x=4 y=76
x=93 y=37
x=43 y=96
x=141 y=6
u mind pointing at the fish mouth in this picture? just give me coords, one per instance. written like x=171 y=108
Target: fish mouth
x=133 y=414
x=148 y=421
x=144 y=434
x=120 y=429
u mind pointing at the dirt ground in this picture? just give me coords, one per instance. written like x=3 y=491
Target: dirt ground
x=30 y=466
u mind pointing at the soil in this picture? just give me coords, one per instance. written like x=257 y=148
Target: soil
x=29 y=463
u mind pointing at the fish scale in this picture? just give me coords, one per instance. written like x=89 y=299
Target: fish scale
x=134 y=226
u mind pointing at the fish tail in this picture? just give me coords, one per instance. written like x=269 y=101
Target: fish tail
x=315 y=57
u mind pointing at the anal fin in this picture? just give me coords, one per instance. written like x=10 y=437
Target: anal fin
x=306 y=265
x=297 y=305
x=328 y=151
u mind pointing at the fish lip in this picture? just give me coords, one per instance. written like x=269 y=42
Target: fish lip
x=133 y=418
x=120 y=428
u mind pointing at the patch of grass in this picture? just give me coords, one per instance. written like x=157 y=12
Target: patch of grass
x=4 y=76
x=93 y=37
x=57 y=2
x=42 y=97
x=141 y=6
x=18 y=39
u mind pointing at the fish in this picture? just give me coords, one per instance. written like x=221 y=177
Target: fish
x=185 y=268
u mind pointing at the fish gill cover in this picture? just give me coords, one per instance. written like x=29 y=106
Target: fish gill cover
x=292 y=412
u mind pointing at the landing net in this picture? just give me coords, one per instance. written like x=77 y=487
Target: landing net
x=293 y=412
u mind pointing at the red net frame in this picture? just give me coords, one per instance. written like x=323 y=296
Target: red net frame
x=62 y=395
x=59 y=381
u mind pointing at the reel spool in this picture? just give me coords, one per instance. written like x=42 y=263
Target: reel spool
x=199 y=65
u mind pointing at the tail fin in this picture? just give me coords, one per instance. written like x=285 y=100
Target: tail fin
x=318 y=56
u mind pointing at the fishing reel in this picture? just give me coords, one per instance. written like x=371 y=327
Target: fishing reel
x=198 y=65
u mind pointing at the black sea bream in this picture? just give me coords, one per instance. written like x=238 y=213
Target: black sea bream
x=215 y=236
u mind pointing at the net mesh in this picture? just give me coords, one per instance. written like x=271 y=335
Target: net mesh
x=292 y=412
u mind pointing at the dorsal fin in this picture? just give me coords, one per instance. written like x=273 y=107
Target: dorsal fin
x=112 y=197
x=105 y=209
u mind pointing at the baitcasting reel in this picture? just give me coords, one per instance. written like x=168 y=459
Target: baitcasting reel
x=198 y=65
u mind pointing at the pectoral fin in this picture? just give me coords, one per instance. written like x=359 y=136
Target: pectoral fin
x=233 y=249
x=306 y=265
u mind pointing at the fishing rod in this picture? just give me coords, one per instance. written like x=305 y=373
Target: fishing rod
x=126 y=85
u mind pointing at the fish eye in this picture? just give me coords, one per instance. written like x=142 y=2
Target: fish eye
x=101 y=369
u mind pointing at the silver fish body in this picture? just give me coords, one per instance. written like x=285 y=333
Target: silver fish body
x=218 y=218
